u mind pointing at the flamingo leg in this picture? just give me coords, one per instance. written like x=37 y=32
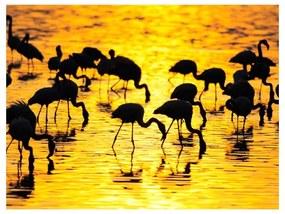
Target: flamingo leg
x=243 y=125
x=237 y=128
x=179 y=133
x=132 y=138
x=125 y=93
x=117 y=134
x=114 y=85
x=167 y=133
x=171 y=78
x=56 y=110
x=8 y=146
x=46 y=113
x=69 y=117
x=39 y=114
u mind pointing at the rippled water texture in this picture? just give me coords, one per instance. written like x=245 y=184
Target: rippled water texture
x=85 y=172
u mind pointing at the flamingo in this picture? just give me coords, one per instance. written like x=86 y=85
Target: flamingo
x=44 y=96
x=69 y=66
x=94 y=54
x=260 y=57
x=241 y=106
x=183 y=67
x=61 y=90
x=244 y=89
x=126 y=69
x=29 y=51
x=22 y=122
x=245 y=58
x=54 y=62
x=271 y=101
x=177 y=110
x=84 y=61
x=131 y=113
x=13 y=41
x=187 y=92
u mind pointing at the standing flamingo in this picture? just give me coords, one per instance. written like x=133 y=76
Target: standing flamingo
x=244 y=89
x=241 y=106
x=13 y=41
x=177 y=110
x=22 y=122
x=245 y=58
x=30 y=51
x=261 y=68
x=54 y=62
x=131 y=113
x=183 y=67
x=126 y=69
x=44 y=96
x=69 y=66
x=271 y=101
x=61 y=90
x=187 y=92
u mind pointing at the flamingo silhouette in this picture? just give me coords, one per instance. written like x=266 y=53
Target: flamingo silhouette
x=244 y=89
x=183 y=67
x=245 y=58
x=44 y=96
x=54 y=62
x=131 y=113
x=241 y=106
x=260 y=57
x=61 y=90
x=13 y=41
x=29 y=51
x=187 y=92
x=94 y=53
x=69 y=66
x=126 y=69
x=22 y=127
x=84 y=61
x=271 y=101
x=177 y=110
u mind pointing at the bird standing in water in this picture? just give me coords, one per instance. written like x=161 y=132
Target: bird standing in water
x=22 y=125
x=183 y=67
x=126 y=69
x=212 y=75
x=241 y=106
x=131 y=113
x=54 y=62
x=13 y=41
x=178 y=110
x=29 y=51
x=187 y=92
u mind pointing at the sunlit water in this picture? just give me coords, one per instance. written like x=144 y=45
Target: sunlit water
x=87 y=172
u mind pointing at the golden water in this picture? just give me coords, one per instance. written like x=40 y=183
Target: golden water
x=87 y=174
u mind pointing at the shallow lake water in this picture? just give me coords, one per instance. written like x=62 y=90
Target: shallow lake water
x=85 y=172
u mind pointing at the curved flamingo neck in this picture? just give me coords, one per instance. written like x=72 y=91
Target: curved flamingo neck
x=147 y=93
x=259 y=49
x=10 y=33
x=150 y=121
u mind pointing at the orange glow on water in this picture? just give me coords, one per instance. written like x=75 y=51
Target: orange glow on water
x=87 y=173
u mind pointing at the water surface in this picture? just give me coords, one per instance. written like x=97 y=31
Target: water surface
x=87 y=172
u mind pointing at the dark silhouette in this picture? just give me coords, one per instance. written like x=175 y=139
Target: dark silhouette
x=245 y=58
x=22 y=110
x=29 y=51
x=54 y=62
x=261 y=68
x=131 y=113
x=183 y=67
x=187 y=92
x=244 y=89
x=212 y=75
x=271 y=101
x=13 y=41
x=178 y=110
x=44 y=96
x=61 y=90
x=126 y=69
x=8 y=75
x=69 y=66
x=241 y=106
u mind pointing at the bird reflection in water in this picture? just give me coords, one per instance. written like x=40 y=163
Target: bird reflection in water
x=176 y=175
x=130 y=175
x=25 y=184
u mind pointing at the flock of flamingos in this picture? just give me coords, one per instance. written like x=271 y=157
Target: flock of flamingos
x=22 y=121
